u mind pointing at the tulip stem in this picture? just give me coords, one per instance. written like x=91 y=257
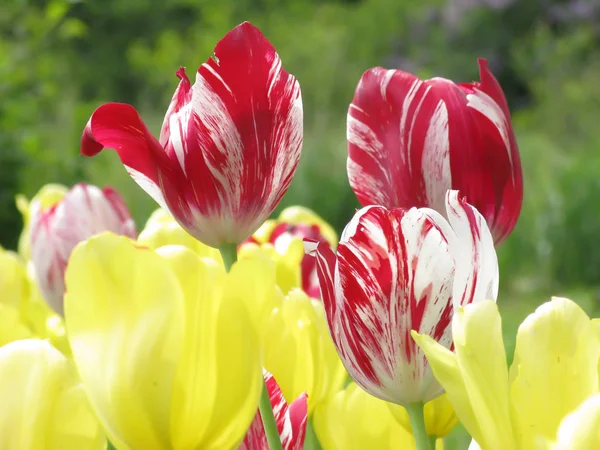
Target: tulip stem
x=110 y=446
x=417 y=421
x=268 y=419
x=229 y=255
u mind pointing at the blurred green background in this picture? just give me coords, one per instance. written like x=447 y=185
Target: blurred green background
x=61 y=59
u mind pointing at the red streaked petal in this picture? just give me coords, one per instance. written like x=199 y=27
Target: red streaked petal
x=402 y=132
x=477 y=273
x=394 y=273
x=290 y=420
x=241 y=135
x=119 y=126
x=181 y=98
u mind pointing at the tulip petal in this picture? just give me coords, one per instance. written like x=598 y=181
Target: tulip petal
x=580 y=430
x=123 y=308
x=218 y=379
x=557 y=352
x=238 y=139
x=290 y=419
x=394 y=274
x=475 y=377
x=491 y=113
x=119 y=126
x=401 y=131
x=477 y=275
x=354 y=419
x=42 y=405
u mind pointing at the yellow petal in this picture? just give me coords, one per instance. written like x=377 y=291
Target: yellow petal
x=42 y=404
x=580 y=430
x=300 y=353
x=124 y=312
x=14 y=283
x=161 y=229
x=300 y=214
x=255 y=276
x=555 y=368
x=287 y=265
x=219 y=376
x=263 y=234
x=440 y=418
x=353 y=419
x=475 y=377
x=11 y=326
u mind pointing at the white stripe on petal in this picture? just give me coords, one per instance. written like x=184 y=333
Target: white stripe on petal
x=436 y=158
x=477 y=275
x=149 y=186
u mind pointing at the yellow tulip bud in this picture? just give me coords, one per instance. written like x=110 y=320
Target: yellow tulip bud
x=165 y=346
x=300 y=353
x=354 y=419
x=43 y=404
x=287 y=264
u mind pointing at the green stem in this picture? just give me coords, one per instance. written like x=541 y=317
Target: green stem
x=110 y=446
x=417 y=421
x=311 y=442
x=266 y=414
x=229 y=255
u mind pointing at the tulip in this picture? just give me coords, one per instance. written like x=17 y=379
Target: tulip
x=410 y=140
x=164 y=344
x=401 y=270
x=292 y=226
x=43 y=404
x=229 y=144
x=555 y=368
x=290 y=419
x=353 y=419
x=300 y=353
x=57 y=227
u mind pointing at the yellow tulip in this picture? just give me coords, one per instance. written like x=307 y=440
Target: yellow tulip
x=354 y=419
x=555 y=368
x=47 y=196
x=300 y=353
x=440 y=418
x=43 y=404
x=161 y=229
x=287 y=264
x=166 y=349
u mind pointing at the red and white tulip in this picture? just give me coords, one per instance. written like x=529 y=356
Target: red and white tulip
x=410 y=140
x=400 y=270
x=290 y=420
x=229 y=144
x=55 y=230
